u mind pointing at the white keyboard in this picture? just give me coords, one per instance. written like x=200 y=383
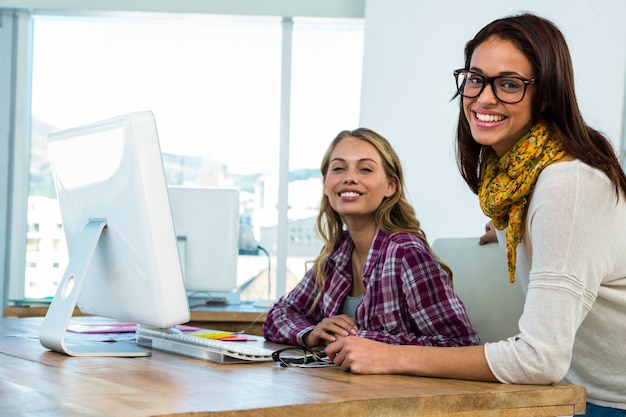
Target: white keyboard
x=203 y=348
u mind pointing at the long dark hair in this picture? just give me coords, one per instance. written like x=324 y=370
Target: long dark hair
x=554 y=102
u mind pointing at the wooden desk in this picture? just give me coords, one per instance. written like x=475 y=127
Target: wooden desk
x=234 y=317
x=31 y=311
x=34 y=380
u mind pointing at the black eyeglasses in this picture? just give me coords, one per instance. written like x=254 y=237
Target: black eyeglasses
x=302 y=357
x=507 y=88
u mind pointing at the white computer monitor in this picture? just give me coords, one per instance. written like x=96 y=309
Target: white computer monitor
x=124 y=261
x=206 y=221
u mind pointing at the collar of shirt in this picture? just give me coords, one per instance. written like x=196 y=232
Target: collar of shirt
x=340 y=260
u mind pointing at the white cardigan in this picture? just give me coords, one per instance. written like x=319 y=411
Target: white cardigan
x=571 y=264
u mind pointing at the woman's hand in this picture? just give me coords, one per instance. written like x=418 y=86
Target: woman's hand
x=362 y=356
x=490 y=234
x=330 y=329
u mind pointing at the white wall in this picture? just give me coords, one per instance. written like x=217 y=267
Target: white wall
x=411 y=49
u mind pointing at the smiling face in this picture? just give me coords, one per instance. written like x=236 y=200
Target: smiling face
x=491 y=121
x=356 y=182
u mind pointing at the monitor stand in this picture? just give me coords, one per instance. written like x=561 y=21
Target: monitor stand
x=52 y=332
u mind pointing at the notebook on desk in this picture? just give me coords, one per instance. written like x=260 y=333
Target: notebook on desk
x=200 y=345
x=113 y=327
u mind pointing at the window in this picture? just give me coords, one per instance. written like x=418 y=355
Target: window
x=214 y=85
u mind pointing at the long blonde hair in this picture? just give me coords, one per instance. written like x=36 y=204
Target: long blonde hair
x=394 y=214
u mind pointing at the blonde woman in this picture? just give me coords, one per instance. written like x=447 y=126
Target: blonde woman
x=376 y=276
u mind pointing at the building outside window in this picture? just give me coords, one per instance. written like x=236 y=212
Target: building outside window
x=214 y=85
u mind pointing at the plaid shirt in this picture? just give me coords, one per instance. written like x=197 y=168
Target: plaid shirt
x=408 y=298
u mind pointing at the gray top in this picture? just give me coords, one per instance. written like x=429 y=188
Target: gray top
x=349 y=305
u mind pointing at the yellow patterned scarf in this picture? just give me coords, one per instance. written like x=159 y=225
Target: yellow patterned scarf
x=506 y=183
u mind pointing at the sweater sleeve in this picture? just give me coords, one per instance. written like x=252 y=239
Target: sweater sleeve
x=560 y=259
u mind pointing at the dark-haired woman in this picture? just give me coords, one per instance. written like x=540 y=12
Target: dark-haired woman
x=554 y=190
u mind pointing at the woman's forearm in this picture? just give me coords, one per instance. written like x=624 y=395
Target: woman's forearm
x=445 y=362
x=365 y=356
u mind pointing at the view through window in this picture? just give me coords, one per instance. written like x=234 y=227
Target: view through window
x=214 y=85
